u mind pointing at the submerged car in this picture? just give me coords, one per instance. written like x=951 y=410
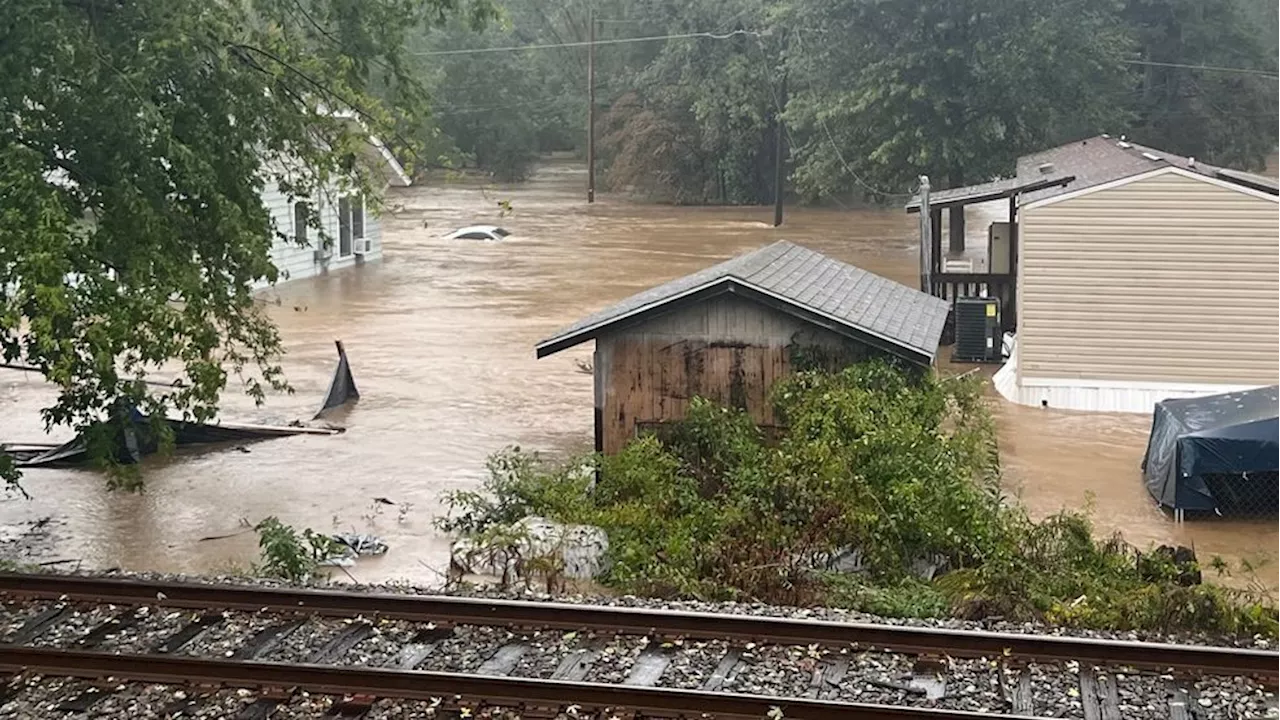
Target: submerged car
x=479 y=232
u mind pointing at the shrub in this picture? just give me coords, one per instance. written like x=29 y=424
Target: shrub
x=879 y=468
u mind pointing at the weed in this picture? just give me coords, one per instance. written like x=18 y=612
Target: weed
x=288 y=555
x=893 y=468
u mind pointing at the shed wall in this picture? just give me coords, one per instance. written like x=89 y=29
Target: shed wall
x=725 y=349
x=1163 y=279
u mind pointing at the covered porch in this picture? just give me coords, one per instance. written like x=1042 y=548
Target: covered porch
x=982 y=264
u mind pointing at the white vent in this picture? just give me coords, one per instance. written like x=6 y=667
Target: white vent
x=1124 y=144
x=1191 y=162
x=362 y=246
x=1152 y=157
x=1046 y=168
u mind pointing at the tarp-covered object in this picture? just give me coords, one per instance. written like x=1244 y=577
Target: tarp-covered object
x=342 y=388
x=1216 y=453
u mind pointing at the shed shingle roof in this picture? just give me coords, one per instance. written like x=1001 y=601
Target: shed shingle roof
x=860 y=302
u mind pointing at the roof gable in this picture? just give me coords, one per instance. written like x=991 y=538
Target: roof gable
x=1155 y=172
x=793 y=279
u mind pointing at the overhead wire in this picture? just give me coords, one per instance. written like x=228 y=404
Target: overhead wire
x=1210 y=68
x=585 y=43
x=822 y=122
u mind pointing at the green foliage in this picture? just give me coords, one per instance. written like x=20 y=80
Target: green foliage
x=1225 y=118
x=135 y=142
x=518 y=485
x=880 y=90
x=955 y=90
x=892 y=468
x=290 y=556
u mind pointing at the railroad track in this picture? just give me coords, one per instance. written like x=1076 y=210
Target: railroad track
x=124 y=638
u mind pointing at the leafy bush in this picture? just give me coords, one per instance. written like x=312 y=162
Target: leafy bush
x=881 y=469
x=288 y=555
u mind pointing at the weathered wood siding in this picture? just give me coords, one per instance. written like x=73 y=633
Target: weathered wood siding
x=725 y=349
x=1164 y=279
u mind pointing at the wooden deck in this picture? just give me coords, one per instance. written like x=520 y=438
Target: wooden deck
x=952 y=286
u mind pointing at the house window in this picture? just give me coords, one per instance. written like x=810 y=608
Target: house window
x=300 y=213
x=350 y=222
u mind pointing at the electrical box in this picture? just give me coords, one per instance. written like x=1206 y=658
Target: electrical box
x=1000 y=248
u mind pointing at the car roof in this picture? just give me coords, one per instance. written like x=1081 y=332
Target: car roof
x=477 y=228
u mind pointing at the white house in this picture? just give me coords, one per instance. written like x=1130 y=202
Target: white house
x=347 y=219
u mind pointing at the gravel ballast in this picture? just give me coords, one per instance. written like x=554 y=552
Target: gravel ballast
x=978 y=684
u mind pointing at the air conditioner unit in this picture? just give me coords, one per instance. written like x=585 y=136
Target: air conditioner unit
x=362 y=246
x=978 y=333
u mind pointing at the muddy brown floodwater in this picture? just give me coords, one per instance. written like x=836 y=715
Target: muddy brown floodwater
x=440 y=335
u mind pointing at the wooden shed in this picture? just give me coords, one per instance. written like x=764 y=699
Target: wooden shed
x=729 y=332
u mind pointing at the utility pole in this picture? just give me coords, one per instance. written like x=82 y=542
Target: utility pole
x=591 y=105
x=780 y=154
x=926 y=241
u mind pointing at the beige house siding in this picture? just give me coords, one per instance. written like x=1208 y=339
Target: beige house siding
x=1166 y=278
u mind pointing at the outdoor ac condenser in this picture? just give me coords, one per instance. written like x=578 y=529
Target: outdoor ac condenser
x=978 y=334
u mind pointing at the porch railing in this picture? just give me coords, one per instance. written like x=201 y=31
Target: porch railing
x=951 y=286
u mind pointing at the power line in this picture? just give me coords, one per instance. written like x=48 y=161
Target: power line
x=585 y=43
x=840 y=156
x=1210 y=68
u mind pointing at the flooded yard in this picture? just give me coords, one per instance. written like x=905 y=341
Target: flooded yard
x=440 y=335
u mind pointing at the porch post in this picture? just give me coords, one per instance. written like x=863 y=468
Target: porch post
x=955 y=229
x=935 y=224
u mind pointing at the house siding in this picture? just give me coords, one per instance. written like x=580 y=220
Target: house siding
x=1165 y=279
x=296 y=262
x=726 y=349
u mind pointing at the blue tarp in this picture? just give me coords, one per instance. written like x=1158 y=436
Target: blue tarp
x=1215 y=453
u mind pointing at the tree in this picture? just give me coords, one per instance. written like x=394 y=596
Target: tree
x=1227 y=118
x=888 y=89
x=134 y=142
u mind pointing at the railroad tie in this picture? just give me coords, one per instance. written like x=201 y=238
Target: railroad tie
x=352 y=635
x=1099 y=695
x=32 y=628
x=827 y=677
x=422 y=644
x=85 y=700
x=575 y=666
x=189 y=632
x=337 y=646
x=1022 y=701
x=123 y=621
x=649 y=667
x=504 y=660
x=266 y=640
x=725 y=670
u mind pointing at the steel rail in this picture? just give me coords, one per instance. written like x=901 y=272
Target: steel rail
x=644 y=621
x=422 y=685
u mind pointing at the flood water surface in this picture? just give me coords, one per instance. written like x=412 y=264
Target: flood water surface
x=440 y=336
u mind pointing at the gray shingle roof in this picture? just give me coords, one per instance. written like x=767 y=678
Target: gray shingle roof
x=1089 y=162
x=860 y=301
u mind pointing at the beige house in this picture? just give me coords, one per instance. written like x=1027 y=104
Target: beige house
x=1142 y=276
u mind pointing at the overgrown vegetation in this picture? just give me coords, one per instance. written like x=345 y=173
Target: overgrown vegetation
x=883 y=495
x=136 y=140
x=290 y=555
x=874 y=93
